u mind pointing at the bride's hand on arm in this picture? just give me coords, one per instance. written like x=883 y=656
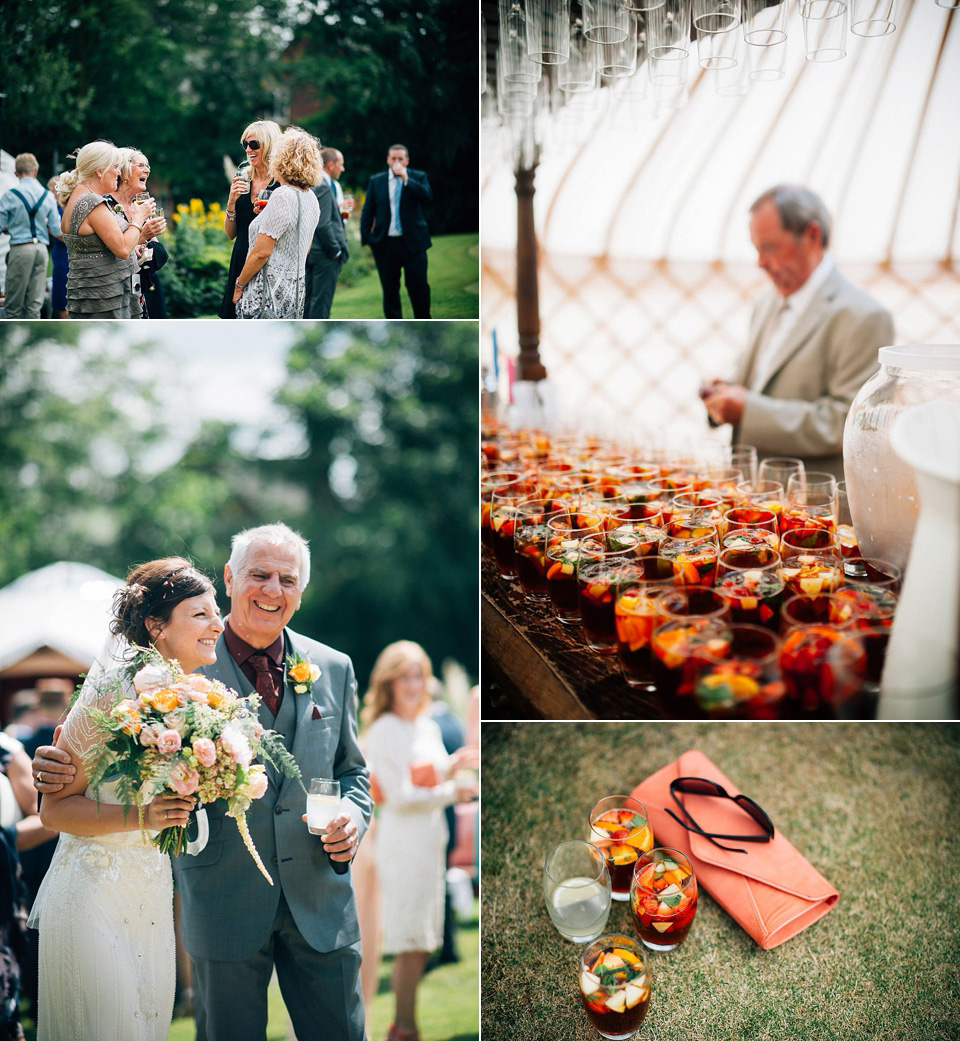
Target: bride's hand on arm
x=52 y=767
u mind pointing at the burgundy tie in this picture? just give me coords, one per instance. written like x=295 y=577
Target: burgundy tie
x=264 y=683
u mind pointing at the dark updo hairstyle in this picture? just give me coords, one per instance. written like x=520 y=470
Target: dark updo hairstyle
x=153 y=590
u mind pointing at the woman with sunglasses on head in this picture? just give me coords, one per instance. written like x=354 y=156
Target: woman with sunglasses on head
x=257 y=140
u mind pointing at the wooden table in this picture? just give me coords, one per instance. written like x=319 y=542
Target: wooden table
x=543 y=669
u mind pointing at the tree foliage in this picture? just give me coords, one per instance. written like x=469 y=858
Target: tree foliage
x=383 y=489
x=181 y=79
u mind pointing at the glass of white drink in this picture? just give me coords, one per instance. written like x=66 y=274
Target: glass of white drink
x=576 y=887
x=323 y=802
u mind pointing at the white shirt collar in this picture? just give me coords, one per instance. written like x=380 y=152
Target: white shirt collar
x=797 y=301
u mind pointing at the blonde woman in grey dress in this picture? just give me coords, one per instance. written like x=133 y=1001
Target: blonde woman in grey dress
x=272 y=283
x=101 y=242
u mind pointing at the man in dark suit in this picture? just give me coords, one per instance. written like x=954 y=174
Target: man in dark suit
x=329 y=251
x=393 y=225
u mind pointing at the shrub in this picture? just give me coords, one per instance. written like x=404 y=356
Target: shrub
x=195 y=276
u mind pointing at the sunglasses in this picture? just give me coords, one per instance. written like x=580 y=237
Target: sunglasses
x=252 y=144
x=701 y=786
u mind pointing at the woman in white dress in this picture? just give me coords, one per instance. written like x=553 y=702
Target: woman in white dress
x=272 y=281
x=105 y=909
x=405 y=751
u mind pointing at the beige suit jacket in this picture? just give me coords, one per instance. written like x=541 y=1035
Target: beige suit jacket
x=814 y=375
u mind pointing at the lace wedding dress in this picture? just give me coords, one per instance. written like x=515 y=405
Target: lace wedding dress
x=105 y=915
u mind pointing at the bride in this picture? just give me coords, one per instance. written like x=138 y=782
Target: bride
x=105 y=909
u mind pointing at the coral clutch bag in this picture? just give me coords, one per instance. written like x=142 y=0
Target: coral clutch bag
x=771 y=889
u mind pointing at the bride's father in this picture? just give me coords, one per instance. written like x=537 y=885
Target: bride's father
x=236 y=927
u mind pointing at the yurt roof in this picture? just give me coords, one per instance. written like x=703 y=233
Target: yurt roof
x=876 y=133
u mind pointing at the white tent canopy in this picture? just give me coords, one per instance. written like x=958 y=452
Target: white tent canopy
x=65 y=607
x=645 y=267
x=876 y=133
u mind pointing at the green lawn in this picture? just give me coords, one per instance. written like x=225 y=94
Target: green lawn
x=453 y=273
x=873 y=806
x=448 y=999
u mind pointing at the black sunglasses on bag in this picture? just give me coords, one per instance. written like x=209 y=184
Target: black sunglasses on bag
x=701 y=786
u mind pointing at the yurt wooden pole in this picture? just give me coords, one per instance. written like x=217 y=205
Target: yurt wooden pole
x=528 y=300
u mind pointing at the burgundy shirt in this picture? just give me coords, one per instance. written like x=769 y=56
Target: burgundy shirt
x=241 y=651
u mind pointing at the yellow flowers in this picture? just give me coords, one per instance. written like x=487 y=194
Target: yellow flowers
x=198 y=216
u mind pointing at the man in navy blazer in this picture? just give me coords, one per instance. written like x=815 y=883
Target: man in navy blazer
x=329 y=250
x=393 y=225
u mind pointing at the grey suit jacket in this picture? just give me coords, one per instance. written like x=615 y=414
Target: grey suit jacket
x=814 y=376
x=228 y=906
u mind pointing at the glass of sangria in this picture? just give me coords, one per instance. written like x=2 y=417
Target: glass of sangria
x=823 y=609
x=849 y=545
x=635 y=612
x=663 y=897
x=747 y=548
x=693 y=546
x=748 y=518
x=744 y=683
x=809 y=509
x=619 y=829
x=576 y=887
x=615 y=986
x=504 y=501
x=489 y=483
x=812 y=574
x=809 y=663
x=597 y=568
x=871 y=571
x=753 y=594
x=767 y=495
x=530 y=536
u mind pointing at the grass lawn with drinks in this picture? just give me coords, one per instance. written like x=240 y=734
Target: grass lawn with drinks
x=872 y=806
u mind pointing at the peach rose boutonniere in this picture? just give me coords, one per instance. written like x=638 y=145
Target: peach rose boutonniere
x=303 y=674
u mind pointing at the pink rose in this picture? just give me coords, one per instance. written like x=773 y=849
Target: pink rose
x=198 y=687
x=168 y=742
x=147 y=737
x=205 y=751
x=152 y=676
x=237 y=746
x=258 y=783
x=184 y=780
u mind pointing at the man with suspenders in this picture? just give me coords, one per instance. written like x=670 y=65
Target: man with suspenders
x=29 y=213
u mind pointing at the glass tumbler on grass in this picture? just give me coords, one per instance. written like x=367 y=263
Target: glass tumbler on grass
x=619 y=828
x=576 y=887
x=615 y=986
x=663 y=897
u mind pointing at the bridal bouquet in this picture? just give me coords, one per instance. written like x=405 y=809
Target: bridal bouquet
x=186 y=734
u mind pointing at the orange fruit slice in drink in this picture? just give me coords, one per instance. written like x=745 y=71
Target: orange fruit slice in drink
x=667 y=644
x=642 y=838
x=621 y=854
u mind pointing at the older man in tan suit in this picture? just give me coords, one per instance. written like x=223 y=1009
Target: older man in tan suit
x=813 y=339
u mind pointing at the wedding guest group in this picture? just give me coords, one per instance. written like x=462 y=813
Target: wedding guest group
x=392 y=224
